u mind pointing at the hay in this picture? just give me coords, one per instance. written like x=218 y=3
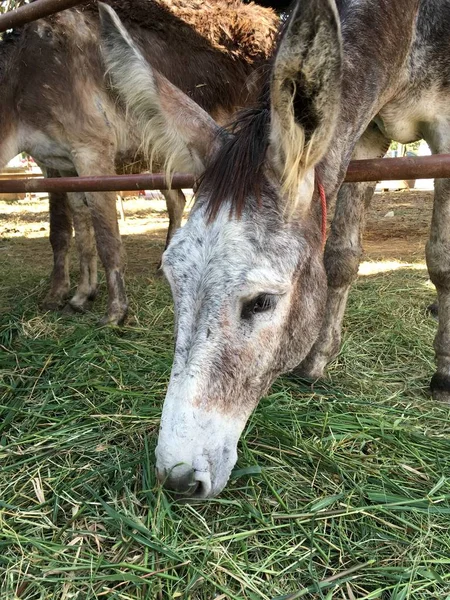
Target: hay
x=341 y=491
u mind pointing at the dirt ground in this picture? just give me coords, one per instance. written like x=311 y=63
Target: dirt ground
x=402 y=236
x=397 y=229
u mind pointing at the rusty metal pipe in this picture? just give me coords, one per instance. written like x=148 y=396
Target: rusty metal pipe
x=423 y=167
x=385 y=169
x=110 y=183
x=32 y=12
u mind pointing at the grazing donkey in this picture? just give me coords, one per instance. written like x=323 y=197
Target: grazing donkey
x=247 y=273
x=57 y=105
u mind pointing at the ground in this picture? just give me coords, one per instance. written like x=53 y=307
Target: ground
x=401 y=237
x=341 y=491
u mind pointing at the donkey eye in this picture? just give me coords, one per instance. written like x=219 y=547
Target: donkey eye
x=260 y=304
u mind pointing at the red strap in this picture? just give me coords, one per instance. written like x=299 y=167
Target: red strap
x=323 y=204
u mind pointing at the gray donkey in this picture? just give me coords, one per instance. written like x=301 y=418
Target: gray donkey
x=254 y=295
x=57 y=105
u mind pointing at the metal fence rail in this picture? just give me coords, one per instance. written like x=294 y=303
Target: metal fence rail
x=383 y=169
x=109 y=183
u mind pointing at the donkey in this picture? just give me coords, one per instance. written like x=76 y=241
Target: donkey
x=254 y=295
x=57 y=105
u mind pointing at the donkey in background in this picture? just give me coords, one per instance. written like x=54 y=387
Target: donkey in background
x=57 y=105
x=254 y=296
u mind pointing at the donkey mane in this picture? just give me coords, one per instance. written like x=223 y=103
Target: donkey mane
x=10 y=36
x=235 y=174
x=9 y=41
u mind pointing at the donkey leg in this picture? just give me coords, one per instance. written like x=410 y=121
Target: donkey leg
x=103 y=212
x=342 y=255
x=176 y=201
x=438 y=262
x=102 y=207
x=109 y=246
x=60 y=238
x=111 y=252
x=87 y=252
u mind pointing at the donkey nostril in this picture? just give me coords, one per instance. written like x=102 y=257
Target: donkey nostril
x=182 y=483
x=193 y=490
x=203 y=479
x=184 y=489
x=188 y=481
x=199 y=491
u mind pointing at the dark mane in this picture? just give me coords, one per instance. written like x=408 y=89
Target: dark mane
x=10 y=36
x=236 y=171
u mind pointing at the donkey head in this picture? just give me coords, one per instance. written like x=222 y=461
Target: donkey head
x=246 y=271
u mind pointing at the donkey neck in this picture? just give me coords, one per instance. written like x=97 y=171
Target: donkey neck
x=377 y=40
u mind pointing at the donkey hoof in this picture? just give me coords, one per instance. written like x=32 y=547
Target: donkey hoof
x=55 y=299
x=68 y=309
x=75 y=307
x=93 y=294
x=440 y=387
x=114 y=318
x=52 y=304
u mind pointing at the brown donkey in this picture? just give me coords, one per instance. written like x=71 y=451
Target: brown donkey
x=57 y=105
x=247 y=272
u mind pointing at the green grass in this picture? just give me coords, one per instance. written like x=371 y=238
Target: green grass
x=341 y=491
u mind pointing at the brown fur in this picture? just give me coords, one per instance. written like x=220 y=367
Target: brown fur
x=206 y=49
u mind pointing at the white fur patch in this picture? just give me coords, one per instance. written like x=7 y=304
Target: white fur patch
x=213 y=269
x=194 y=438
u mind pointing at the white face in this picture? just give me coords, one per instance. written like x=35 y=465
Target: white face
x=235 y=284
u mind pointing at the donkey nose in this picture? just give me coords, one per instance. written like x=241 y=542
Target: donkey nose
x=186 y=481
x=179 y=480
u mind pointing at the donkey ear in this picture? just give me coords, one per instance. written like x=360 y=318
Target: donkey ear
x=175 y=130
x=305 y=91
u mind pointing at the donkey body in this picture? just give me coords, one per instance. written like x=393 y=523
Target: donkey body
x=57 y=105
x=254 y=296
